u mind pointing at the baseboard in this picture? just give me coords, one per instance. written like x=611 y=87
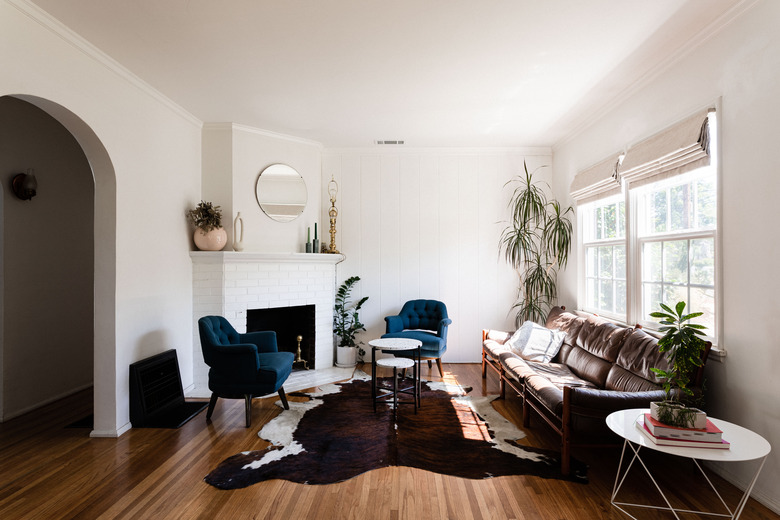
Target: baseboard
x=49 y=400
x=110 y=433
x=772 y=502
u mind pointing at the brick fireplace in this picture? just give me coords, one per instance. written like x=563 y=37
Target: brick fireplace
x=230 y=284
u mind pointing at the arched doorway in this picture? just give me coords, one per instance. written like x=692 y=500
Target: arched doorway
x=103 y=264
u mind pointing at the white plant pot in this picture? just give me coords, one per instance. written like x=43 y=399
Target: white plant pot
x=699 y=418
x=346 y=357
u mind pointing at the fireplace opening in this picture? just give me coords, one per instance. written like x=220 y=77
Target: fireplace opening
x=289 y=323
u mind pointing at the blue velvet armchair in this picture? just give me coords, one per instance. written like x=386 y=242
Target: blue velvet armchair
x=242 y=366
x=424 y=320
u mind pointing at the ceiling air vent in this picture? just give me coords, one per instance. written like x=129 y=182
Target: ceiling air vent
x=389 y=141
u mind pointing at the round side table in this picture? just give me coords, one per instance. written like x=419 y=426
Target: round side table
x=398 y=344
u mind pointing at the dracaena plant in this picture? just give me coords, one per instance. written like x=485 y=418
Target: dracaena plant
x=346 y=319
x=683 y=344
x=536 y=244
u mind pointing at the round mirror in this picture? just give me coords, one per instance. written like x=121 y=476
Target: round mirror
x=281 y=192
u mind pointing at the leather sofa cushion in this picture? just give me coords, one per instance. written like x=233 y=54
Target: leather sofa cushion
x=640 y=353
x=568 y=322
x=495 y=349
x=602 y=338
x=548 y=389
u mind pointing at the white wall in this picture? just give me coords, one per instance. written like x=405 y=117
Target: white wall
x=47 y=304
x=234 y=155
x=741 y=64
x=146 y=158
x=426 y=224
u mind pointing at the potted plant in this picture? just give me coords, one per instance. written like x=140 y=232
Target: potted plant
x=684 y=346
x=209 y=234
x=536 y=243
x=346 y=324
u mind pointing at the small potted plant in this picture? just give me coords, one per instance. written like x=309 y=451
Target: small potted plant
x=684 y=347
x=346 y=324
x=209 y=234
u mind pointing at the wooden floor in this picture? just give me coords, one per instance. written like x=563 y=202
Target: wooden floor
x=48 y=471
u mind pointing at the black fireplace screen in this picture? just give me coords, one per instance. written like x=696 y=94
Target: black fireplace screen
x=288 y=323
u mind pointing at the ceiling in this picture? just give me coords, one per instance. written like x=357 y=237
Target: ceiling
x=429 y=72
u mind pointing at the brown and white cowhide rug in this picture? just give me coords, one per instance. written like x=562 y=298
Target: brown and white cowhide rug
x=336 y=435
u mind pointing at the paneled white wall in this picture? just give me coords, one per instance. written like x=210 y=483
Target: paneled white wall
x=426 y=224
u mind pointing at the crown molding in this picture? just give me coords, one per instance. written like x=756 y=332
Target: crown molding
x=589 y=119
x=269 y=133
x=59 y=29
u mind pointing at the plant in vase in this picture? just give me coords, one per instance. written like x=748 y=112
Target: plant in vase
x=346 y=319
x=536 y=243
x=209 y=234
x=684 y=348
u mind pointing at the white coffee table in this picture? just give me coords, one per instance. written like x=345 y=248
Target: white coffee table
x=397 y=344
x=745 y=445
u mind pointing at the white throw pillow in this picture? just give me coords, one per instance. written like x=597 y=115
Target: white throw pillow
x=536 y=343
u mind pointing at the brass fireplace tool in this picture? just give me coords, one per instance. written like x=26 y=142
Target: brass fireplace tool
x=298 y=358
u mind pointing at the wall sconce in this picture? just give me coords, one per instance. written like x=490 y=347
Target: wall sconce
x=25 y=184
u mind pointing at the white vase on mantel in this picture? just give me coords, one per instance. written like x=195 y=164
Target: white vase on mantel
x=238 y=233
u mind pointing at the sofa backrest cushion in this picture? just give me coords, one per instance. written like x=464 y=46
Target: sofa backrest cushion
x=631 y=372
x=596 y=349
x=568 y=322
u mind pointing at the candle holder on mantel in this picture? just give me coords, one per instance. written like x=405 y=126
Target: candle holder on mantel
x=333 y=189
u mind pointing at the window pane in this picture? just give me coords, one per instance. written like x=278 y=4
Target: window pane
x=703 y=261
x=620 y=297
x=607 y=301
x=652 y=261
x=590 y=261
x=676 y=261
x=652 y=295
x=620 y=262
x=599 y=223
x=703 y=300
x=674 y=294
x=656 y=211
x=610 y=221
x=681 y=207
x=706 y=209
x=621 y=219
x=605 y=262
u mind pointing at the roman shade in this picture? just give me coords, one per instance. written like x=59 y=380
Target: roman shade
x=680 y=148
x=599 y=181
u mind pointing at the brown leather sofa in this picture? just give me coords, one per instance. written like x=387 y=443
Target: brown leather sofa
x=601 y=368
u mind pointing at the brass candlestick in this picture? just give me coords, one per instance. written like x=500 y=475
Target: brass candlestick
x=333 y=189
x=298 y=358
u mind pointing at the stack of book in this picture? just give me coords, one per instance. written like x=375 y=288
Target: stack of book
x=665 y=435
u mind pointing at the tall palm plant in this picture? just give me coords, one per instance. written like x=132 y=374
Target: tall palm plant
x=536 y=243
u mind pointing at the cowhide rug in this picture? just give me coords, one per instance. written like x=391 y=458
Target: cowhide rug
x=336 y=435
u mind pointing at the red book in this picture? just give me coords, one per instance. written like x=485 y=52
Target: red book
x=709 y=434
x=685 y=443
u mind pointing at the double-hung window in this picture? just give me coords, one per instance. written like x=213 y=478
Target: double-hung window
x=648 y=228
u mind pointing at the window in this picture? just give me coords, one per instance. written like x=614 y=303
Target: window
x=604 y=241
x=656 y=240
x=676 y=234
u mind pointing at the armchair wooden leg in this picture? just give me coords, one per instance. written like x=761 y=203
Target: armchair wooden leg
x=438 y=364
x=283 y=397
x=248 y=407
x=212 y=404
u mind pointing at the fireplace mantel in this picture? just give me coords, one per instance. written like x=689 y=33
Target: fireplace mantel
x=217 y=257
x=229 y=283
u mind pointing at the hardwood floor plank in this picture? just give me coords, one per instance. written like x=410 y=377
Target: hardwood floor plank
x=49 y=471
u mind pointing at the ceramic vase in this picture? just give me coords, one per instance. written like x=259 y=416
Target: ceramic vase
x=238 y=233
x=213 y=240
x=346 y=357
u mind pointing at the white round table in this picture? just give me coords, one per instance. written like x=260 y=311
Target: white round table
x=397 y=344
x=745 y=445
